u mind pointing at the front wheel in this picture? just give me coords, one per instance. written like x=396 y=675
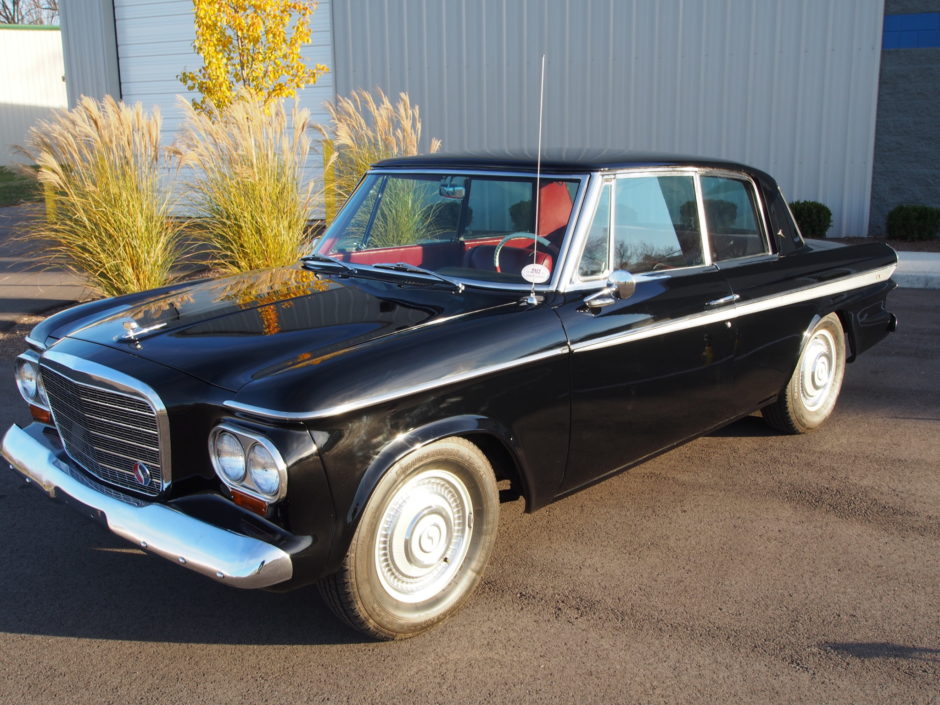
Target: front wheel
x=811 y=394
x=421 y=546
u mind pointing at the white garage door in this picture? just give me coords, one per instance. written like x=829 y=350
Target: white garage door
x=155 y=39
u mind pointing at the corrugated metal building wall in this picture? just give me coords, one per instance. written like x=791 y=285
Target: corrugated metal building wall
x=31 y=84
x=790 y=87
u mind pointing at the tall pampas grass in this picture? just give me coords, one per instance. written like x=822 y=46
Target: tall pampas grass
x=102 y=161
x=364 y=129
x=246 y=185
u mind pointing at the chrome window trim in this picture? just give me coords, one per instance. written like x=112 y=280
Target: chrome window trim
x=569 y=278
x=702 y=220
x=367 y=401
x=253 y=438
x=123 y=384
x=552 y=284
x=739 y=310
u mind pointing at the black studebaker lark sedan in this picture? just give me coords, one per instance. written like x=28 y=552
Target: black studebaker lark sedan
x=464 y=322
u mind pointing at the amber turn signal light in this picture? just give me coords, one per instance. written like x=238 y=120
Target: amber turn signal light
x=40 y=415
x=252 y=504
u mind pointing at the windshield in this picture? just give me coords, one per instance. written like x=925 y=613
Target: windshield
x=472 y=227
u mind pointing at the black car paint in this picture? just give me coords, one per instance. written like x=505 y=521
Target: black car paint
x=558 y=423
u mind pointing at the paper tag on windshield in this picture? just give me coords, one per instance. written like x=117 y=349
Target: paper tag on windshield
x=536 y=273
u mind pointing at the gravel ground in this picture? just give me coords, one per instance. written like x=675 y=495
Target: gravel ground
x=745 y=567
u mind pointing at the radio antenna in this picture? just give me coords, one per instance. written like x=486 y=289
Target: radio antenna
x=532 y=298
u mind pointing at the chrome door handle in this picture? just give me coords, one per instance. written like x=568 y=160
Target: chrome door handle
x=723 y=301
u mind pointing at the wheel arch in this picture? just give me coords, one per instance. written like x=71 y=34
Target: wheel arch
x=492 y=438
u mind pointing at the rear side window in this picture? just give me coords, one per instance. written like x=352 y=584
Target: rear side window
x=656 y=224
x=731 y=215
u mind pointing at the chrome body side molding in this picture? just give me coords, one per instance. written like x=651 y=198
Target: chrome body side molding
x=731 y=311
x=363 y=402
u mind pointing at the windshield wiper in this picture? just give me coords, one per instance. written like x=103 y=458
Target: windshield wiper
x=327 y=260
x=414 y=269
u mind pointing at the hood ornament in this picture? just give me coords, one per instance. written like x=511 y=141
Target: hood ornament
x=135 y=332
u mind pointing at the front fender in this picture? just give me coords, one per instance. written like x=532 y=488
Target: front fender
x=467 y=425
x=408 y=443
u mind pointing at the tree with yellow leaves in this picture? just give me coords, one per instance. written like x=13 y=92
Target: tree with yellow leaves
x=253 y=44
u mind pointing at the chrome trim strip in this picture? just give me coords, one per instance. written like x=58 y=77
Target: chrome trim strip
x=234 y=559
x=389 y=396
x=121 y=384
x=702 y=221
x=728 y=313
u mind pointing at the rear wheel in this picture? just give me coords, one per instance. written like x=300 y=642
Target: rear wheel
x=422 y=543
x=811 y=394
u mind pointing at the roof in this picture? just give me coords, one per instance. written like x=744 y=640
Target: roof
x=569 y=160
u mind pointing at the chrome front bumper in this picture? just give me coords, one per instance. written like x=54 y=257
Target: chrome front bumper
x=230 y=558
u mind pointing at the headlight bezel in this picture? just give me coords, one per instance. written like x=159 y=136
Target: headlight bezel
x=29 y=360
x=248 y=439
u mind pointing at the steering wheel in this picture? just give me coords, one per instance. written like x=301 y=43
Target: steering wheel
x=518 y=236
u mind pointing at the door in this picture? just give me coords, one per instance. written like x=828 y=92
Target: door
x=654 y=369
x=769 y=334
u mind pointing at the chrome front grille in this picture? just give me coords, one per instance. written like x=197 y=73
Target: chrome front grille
x=113 y=435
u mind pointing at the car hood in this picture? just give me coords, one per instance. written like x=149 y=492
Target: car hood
x=233 y=331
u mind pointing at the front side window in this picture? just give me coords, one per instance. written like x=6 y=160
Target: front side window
x=462 y=225
x=731 y=214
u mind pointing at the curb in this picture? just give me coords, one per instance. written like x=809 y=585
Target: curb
x=918 y=270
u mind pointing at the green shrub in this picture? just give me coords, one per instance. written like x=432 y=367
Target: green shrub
x=913 y=223
x=246 y=187
x=102 y=161
x=813 y=217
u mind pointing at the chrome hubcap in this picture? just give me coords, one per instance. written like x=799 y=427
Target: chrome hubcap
x=423 y=536
x=817 y=370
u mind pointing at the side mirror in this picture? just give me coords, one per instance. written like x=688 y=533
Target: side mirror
x=620 y=286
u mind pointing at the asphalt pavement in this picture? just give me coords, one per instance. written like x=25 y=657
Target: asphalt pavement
x=744 y=567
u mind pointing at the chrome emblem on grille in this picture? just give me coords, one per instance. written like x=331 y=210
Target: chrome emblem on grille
x=142 y=473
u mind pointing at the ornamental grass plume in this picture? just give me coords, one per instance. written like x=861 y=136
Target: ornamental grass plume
x=102 y=162
x=246 y=188
x=364 y=129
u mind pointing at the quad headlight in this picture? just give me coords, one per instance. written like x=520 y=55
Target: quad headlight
x=29 y=382
x=230 y=456
x=248 y=462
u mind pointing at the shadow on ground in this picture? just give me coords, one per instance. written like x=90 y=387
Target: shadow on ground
x=881 y=649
